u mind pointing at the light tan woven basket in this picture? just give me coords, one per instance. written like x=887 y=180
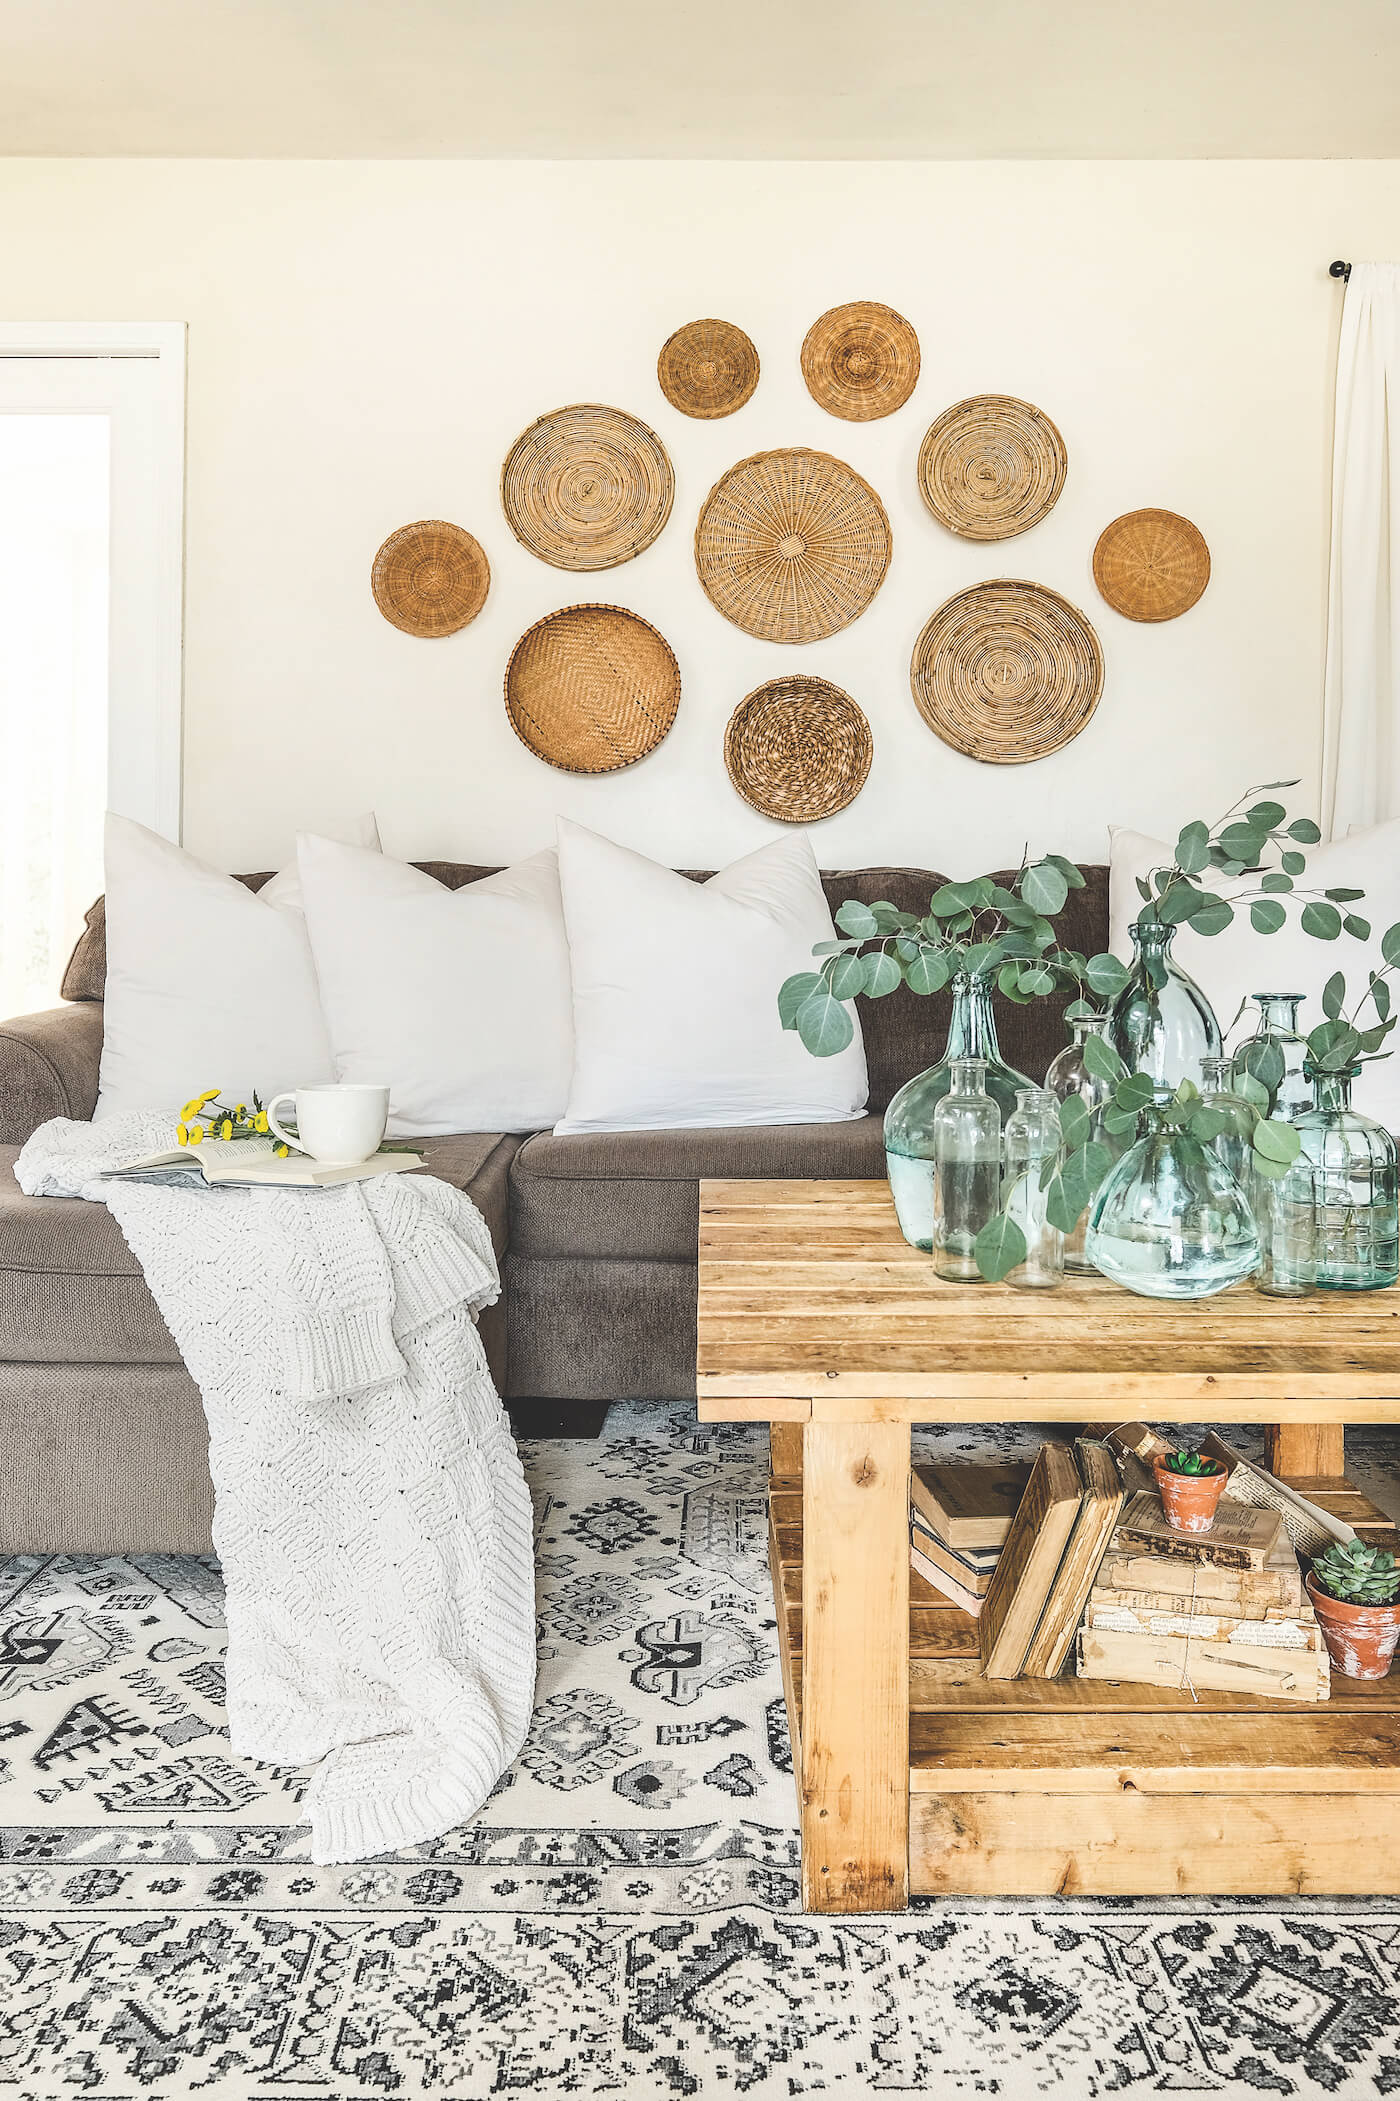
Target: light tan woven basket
x=1007 y=672
x=592 y=688
x=707 y=369
x=587 y=487
x=991 y=467
x=798 y=749
x=861 y=361
x=430 y=578
x=792 y=546
x=1151 y=565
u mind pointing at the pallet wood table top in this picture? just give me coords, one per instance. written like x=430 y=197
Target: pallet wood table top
x=812 y=1305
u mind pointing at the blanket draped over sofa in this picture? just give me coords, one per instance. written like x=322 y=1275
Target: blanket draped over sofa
x=371 y=1514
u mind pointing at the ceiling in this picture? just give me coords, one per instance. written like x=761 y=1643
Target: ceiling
x=727 y=79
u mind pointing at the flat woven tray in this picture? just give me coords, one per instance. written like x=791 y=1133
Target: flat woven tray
x=587 y=487
x=798 y=749
x=1151 y=565
x=792 y=546
x=430 y=578
x=592 y=688
x=1007 y=672
x=991 y=467
x=707 y=369
x=861 y=361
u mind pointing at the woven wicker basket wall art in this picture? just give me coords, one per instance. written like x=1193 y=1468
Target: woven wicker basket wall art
x=861 y=361
x=798 y=749
x=592 y=688
x=587 y=487
x=1151 y=565
x=792 y=545
x=430 y=578
x=1007 y=672
x=707 y=369
x=991 y=467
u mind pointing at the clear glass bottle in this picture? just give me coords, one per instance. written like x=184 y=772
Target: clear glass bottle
x=1278 y=1024
x=1233 y=1148
x=1069 y=1075
x=972 y=1033
x=1337 y=1205
x=1032 y=1138
x=967 y=1160
x=1170 y=1222
x=1161 y=1023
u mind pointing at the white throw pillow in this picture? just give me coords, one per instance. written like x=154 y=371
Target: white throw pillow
x=676 y=991
x=208 y=983
x=458 y=1000
x=1228 y=967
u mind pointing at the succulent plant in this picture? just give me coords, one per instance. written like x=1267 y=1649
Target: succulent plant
x=1191 y=1463
x=1356 y=1574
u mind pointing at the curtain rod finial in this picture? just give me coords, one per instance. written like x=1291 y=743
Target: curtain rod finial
x=1340 y=269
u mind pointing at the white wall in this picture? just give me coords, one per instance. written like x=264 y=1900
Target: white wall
x=367 y=339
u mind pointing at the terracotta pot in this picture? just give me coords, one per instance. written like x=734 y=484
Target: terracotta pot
x=1361 y=1639
x=1190 y=1499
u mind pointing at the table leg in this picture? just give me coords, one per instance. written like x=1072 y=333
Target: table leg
x=855 y=1666
x=1292 y=1450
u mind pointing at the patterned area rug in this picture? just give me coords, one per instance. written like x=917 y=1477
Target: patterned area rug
x=622 y=1918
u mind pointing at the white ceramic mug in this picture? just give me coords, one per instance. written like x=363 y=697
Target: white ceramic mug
x=337 y=1123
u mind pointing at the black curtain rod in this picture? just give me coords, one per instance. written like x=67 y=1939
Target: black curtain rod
x=1342 y=270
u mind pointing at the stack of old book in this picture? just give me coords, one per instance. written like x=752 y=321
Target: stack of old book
x=959 y=1516
x=1045 y=1572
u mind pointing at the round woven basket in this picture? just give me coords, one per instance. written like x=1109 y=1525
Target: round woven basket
x=587 y=487
x=430 y=578
x=792 y=546
x=991 y=467
x=1151 y=565
x=1007 y=672
x=798 y=749
x=861 y=361
x=707 y=369
x=592 y=688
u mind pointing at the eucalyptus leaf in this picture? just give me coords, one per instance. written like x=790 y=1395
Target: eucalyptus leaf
x=1073 y=1186
x=928 y=972
x=848 y=976
x=1344 y=897
x=1266 y=915
x=793 y=992
x=1304 y=831
x=1276 y=1141
x=1213 y=921
x=1193 y=848
x=1009 y=980
x=1380 y=994
x=1250 y=1090
x=837 y=948
x=1081 y=1010
x=1044 y=888
x=952 y=899
x=1265 y=816
x=1322 y=921
x=1103 y=1060
x=1334 y=994
x=1207 y=1123
x=1105 y=975
x=1244 y=842
x=1356 y=926
x=1135 y=1092
x=882 y=974
x=1076 y=1121
x=1293 y=864
x=855 y=918
x=824 y=1025
x=1275 y=882
x=999 y=1247
x=1037 y=982
x=1264 y=1060
x=1072 y=875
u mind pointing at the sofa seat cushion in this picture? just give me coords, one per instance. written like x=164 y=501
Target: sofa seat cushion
x=72 y=1292
x=635 y=1194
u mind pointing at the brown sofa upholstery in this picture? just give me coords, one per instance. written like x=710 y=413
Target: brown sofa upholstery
x=102 y=1445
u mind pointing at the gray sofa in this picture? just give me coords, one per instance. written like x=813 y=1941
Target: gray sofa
x=102 y=1445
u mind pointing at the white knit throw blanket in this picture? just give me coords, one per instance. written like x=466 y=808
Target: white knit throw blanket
x=371 y=1514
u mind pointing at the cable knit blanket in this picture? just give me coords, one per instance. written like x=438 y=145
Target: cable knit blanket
x=371 y=1514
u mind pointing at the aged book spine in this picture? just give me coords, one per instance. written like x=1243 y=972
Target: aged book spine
x=956 y=1593
x=1252 y=1590
x=1181 y=1664
x=1189 y=1547
x=1114 y=1613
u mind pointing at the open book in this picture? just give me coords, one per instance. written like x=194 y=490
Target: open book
x=253 y=1160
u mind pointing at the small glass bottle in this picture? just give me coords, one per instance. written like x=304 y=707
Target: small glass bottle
x=967 y=1169
x=1278 y=1024
x=1069 y=1075
x=1032 y=1138
x=1233 y=1148
x=1337 y=1204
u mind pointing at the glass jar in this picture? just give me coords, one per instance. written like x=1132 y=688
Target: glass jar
x=1336 y=1207
x=1171 y=1222
x=1161 y=1023
x=972 y=1033
x=1032 y=1138
x=1233 y=1148
x=967 y=1160
x=1292 y=1096
x=1069 y=1075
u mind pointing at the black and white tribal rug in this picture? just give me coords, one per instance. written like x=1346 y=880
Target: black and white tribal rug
x=623 y=1918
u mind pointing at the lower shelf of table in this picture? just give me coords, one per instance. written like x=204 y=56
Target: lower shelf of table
x=1037 y=1787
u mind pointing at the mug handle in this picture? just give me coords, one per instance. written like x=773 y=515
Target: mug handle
x=275 y=1127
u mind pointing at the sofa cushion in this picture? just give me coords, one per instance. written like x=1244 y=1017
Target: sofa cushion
x=634 y=1194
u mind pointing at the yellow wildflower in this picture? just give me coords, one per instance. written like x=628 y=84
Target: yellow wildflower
x=260 y=1122
x=192 y=1108
x=226 y=1129
x=208 y=1095
x=240 y=1108
x=281 y=1151
x=181 y=1133
x=196 y=1133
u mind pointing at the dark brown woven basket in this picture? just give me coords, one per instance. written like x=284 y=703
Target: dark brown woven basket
x=587 y=487
x=798 y=749
x=707 y=369
x=1007 y=672
x=861 y=361
x=431 y=578
x=1151 y=565
x=592 y=688
x=792 y=546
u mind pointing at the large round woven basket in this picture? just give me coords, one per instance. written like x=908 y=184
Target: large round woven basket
x=587 y=487
x=798 y=749
x=592 y=688
x=861 y=361
x=792 y=546
x=1007 y=672
x=1151 y=565
x=430 y=578
x=991 y=467
x=707 y=369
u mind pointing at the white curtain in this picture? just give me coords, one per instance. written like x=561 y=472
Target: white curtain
x=1361 y=734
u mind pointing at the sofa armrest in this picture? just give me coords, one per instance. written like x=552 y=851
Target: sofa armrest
x=48 y=1067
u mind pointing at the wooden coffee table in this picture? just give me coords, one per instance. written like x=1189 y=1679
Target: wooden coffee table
x=915 y=1772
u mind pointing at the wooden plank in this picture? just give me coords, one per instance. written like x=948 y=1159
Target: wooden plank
x=1034 y=1845
x=785 y=1452
x=855 y=1667
x=729 y=1394
x=1184 y=1753
x=939 y=1685
x=1305 y=1448
x=786 y=1662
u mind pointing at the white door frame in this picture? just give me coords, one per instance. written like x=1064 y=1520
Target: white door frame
x=145 y=708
